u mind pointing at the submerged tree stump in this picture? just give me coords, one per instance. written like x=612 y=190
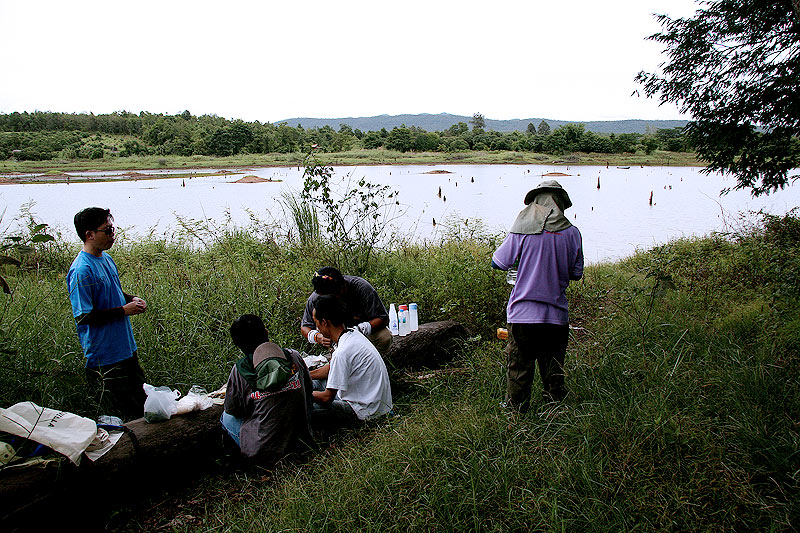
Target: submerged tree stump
x=147 y=453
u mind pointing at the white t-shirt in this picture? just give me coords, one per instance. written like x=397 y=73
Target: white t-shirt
x=360 y=376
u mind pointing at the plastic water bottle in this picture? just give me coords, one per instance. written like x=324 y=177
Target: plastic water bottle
x=511 y=276
x=393 y=322
x=402 y=318
x=413 y=316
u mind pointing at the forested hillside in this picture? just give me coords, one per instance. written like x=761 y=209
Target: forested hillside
x=44 y=135
x=443 y=121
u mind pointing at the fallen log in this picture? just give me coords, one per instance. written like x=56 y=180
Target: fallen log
x=145 y=457
x=148 y=453
x=431 y=346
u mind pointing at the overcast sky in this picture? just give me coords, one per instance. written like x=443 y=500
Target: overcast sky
x=271 y=60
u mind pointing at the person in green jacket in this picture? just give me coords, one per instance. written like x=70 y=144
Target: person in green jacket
x=268 y=396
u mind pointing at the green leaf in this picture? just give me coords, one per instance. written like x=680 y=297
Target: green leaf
x=4 y=284
x=6 y=260
x=43 y=237
x=39 y=227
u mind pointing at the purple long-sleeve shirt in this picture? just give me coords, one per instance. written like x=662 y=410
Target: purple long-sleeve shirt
x=547 y=263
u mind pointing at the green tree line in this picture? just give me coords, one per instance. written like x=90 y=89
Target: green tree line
x=46 y=135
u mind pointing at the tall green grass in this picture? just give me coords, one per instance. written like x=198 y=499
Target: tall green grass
x=304 y=217
x=197 y=283
x=683 y=365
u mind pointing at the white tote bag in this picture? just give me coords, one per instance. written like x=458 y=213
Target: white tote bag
x=66 y=433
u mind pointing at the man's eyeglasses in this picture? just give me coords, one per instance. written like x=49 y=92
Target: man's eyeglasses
x=108 y=231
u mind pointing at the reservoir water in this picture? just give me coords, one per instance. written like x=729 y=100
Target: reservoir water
x=615 y=219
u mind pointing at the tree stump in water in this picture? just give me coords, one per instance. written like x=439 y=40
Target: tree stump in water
x=150 y=454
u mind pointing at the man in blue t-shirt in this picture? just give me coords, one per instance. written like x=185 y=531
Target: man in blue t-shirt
x=101 y=310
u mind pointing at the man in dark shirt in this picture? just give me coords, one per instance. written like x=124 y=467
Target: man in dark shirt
x=363 y=305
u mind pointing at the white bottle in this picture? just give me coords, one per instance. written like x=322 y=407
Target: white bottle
x=402 y=319
x=511 y=276
x=393 y=323
x=413 y=316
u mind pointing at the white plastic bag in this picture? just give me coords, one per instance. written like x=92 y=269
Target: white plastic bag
x=161 y=403
x=195 y=400
x=314 y=361
x=64 y=432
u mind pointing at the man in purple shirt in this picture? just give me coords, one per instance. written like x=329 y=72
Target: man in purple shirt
x=547 y=252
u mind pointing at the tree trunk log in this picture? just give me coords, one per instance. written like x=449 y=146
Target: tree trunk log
x=148 y=454
x=431 y=346
x=144 y=458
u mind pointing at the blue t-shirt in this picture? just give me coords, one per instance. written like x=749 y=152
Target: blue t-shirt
x=93 y=283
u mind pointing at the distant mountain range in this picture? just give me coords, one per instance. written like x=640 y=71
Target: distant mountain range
x=442 y=121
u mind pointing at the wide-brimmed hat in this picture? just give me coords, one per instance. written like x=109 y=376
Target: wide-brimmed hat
x=552 y=186
x=265 y=351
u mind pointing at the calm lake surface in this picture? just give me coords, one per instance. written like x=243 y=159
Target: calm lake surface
x=615 y=219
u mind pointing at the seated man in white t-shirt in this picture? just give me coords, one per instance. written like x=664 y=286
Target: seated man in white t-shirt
x=357 y=387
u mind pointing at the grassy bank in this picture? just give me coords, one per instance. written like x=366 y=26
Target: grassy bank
x=353 y=157
x=193 y=296
x=684 y=369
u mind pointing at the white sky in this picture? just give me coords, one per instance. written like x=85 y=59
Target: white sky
x=271 y=60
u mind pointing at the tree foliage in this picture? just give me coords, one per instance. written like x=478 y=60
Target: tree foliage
x=354 y=213
x=478 y=122
x=544 y=128
x=45 y=135
x=735 y=68
x=20 y=248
